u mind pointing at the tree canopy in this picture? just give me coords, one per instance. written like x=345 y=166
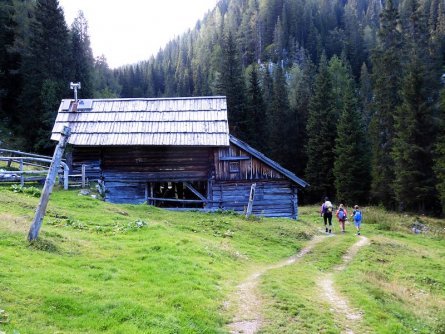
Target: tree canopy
x=307 y=82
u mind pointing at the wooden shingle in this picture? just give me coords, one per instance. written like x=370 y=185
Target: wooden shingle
x=195 y=121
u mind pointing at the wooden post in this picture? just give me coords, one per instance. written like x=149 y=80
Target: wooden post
x=66 y=172
x=294 y=200
x=83 y=176
x=22 y=176
x=251 y=198
x=49 y=183
x=152 y=194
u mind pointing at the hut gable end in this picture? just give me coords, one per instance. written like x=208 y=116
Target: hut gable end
x=240 y=161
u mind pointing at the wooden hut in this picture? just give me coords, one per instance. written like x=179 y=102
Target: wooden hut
x=173 y=152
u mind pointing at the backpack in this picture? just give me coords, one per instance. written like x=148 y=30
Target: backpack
x=358 y=215
x=341 y=214
x=328 y=207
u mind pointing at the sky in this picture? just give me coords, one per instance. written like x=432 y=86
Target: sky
x=129 y=31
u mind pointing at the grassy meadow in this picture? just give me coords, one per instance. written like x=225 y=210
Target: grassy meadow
x=104 y=268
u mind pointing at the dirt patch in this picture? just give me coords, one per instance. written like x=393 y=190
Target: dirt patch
x=14 y=224
x=346 y=315
x=247 y=319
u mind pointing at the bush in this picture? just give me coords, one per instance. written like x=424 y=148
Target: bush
x=33 y=191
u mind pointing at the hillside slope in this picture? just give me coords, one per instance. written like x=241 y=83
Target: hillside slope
x=109 y=268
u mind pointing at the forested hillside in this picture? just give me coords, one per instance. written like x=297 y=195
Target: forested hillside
x=346 y=94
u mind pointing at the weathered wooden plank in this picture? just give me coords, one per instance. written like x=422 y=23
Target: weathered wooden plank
x=179 y=200
x=272 y=198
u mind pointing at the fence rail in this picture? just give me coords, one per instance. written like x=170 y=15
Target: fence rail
x=29 y=159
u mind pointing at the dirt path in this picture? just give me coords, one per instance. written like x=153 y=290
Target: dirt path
x=346 y=316
x=248 y=319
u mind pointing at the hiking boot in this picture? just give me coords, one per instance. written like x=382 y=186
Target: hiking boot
x=358 y=233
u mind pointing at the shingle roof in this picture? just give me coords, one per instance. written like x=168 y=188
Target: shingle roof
x=196 y=121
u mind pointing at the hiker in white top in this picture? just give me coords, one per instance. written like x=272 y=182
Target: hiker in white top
x=326 y=213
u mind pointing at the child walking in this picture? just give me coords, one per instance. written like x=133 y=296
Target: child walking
x=342 y=215
x=357 y=215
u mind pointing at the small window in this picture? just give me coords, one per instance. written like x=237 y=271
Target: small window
x=234 y=166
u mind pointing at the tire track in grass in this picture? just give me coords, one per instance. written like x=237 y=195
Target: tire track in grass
x=248 y=319
x=346 y=316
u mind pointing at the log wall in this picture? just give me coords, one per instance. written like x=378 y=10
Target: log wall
x=126 y=171
x=276 y=198
x=229 y=171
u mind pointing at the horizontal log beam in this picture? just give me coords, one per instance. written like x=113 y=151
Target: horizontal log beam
x=243 y=157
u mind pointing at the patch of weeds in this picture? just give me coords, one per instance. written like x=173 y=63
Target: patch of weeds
x=431 y=283
x=85 y=206
x=101 y=229
x=44 y=245
x=55 y=214
x=76 y=224
x=54 y=235
x=4 y=318
x=33 y=191
x=101 y=190
x=440 y=324
x=132 y=226
x=254 y=218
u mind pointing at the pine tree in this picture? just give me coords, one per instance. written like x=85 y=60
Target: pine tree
x=14 y=22
x=83 y=60
x=365 y=95
x=255 y=112
x=6 y=39
x=414 y=182
x=231 y=84
x=351 y=166
x=439 y=150
x=105 y=83
x=321 y=132
x=280 y=122
x=46 y=67
x=386 y=83
x=339 y=72
x=300 y=93
x=355 y=49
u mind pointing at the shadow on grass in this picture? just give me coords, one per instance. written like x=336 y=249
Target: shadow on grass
x=44 y=245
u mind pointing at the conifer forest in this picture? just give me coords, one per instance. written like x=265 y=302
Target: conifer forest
x=347 y=94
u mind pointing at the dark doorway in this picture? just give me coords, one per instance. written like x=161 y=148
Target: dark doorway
x=171 y=194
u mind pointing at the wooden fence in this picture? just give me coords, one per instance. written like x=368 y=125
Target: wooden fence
x=39 y=163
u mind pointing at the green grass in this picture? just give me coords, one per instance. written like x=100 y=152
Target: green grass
x=97 y=268
x=104 y=268
x=398 y=280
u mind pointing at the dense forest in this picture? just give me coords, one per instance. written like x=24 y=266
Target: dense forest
x=348 y=94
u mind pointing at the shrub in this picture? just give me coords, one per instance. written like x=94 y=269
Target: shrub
x=33 y=191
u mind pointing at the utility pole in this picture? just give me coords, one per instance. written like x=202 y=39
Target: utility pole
x=49 y=183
